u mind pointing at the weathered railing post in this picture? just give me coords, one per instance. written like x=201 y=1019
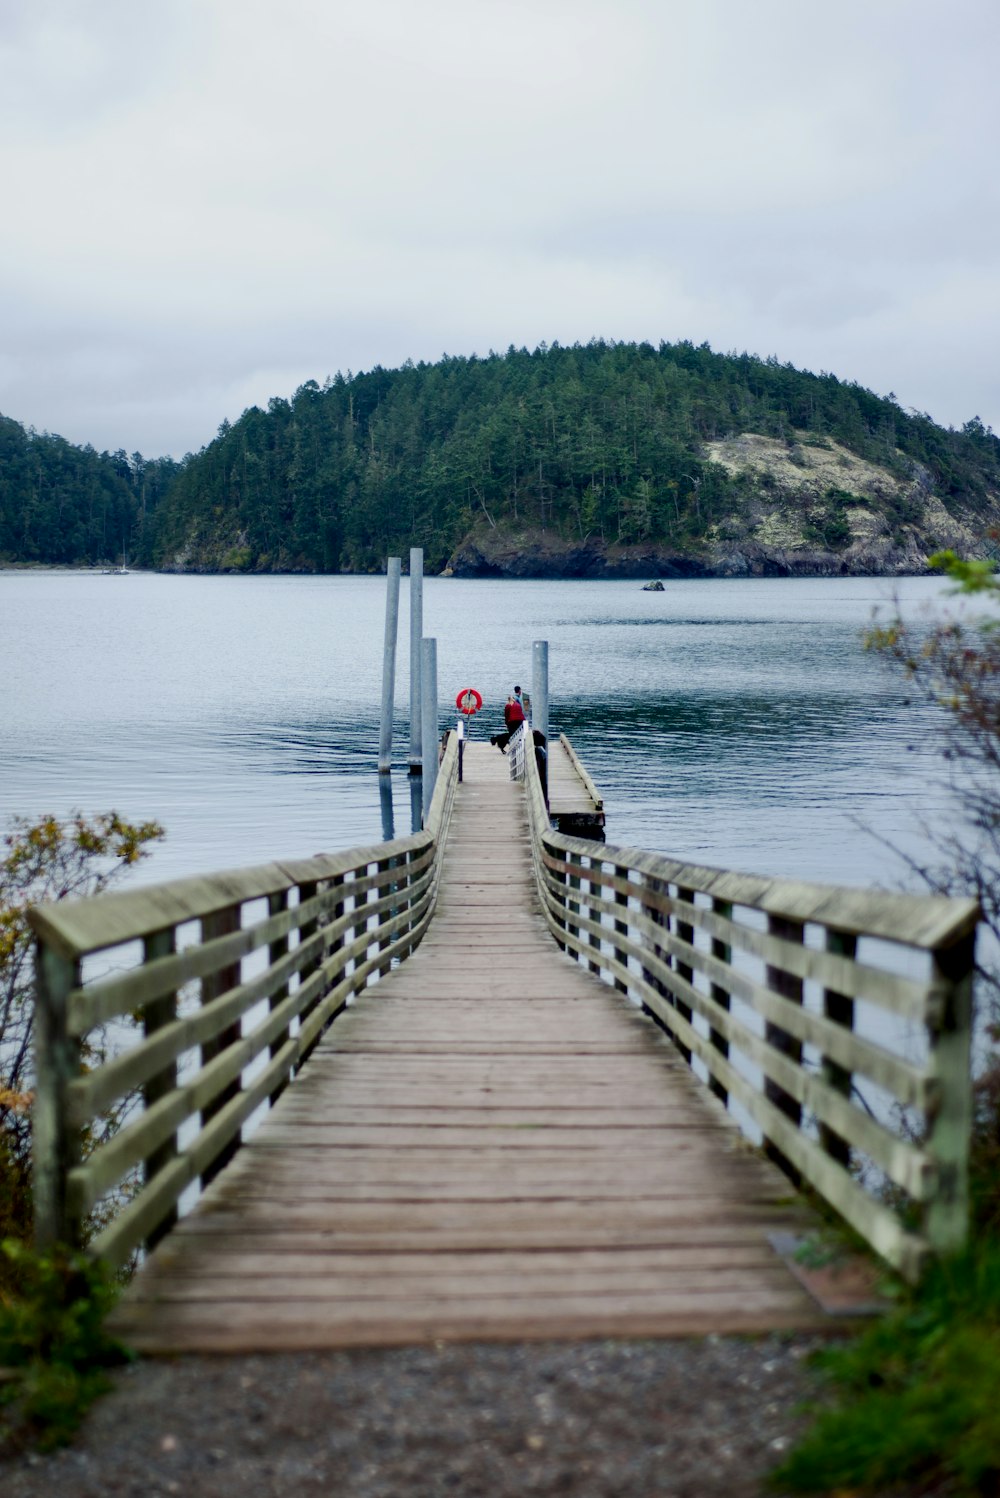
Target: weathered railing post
x=384 y=866
x=789 y=987
x=621 y=927
x=723 y=952
x=839 y=1008
x=156 y=1015
x=221 y=923
x=276 y=905
x=560 y=920
x=56 y=1146
x=949 y=1113
x=685 y=933
x=594 y=937
x=406 y=909
x=308 y=929
x=656 y=916
x=573 y=906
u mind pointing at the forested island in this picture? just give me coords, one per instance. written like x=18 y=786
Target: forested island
x=609 y=459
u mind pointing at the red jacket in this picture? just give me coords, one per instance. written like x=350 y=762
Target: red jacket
x=513 y=714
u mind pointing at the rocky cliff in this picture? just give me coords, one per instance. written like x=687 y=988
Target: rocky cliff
x=807 y=507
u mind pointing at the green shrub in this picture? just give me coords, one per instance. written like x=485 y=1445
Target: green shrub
x=53 y=1345
x=50 y=859
x=918 y=1395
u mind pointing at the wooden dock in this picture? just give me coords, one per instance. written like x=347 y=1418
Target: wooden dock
x=576 y=807
x=490 y=1144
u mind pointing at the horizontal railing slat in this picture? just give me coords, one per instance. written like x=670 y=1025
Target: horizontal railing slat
x=907 y=997
x=922 y=921
x=77 y=928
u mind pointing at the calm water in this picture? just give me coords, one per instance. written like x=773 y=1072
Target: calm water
x=728 y=722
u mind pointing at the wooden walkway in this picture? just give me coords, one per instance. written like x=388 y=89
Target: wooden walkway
x=492 y=1144
x=575 y=804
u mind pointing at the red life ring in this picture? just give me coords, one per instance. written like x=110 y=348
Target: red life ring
x=469 y=701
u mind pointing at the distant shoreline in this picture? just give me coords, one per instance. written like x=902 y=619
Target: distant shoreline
x=703 y=574
x=97 y=570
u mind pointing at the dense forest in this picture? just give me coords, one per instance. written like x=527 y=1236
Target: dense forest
x=608 y=449
x=66 y=505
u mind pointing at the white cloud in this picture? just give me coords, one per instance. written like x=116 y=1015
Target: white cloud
x=207 y=195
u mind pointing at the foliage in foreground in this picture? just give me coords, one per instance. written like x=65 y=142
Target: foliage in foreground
x=953 y=661
x=54 y=1351
x=919 y=1393
x=44 y=861
x=917 y=1398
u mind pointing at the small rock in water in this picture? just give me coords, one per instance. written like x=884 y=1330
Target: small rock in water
x=654 y=587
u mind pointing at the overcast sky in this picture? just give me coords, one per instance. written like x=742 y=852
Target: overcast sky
x=207 y=202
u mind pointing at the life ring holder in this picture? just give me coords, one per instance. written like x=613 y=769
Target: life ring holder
x=469 y=701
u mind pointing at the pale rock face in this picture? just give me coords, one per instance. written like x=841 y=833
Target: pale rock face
x=805 y=468
x=800 y=486
x=782 y=530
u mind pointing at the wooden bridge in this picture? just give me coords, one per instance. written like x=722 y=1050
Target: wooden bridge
x=494 y=1140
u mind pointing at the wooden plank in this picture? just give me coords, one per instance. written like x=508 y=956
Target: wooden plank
x=299 y=1325
x=388 y=1283
x=378 y=1227
x=445 y=1228
x=208 y=1261
x=435 y=1115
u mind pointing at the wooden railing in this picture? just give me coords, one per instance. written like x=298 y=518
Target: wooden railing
x=233 y=980
x=797 y=1003
x=517 y=750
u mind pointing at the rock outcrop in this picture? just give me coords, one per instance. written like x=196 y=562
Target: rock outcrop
x=807 y=507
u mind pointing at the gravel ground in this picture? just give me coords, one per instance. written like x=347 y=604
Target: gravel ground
x=582 y=1420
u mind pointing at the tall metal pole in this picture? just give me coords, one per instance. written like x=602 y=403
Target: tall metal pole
x=429 y=705
x=385 y=803
x=416 y=635
x=389 y=664
x=540 y=686
x=416 y=806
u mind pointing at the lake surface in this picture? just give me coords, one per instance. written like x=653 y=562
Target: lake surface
x=735 y=723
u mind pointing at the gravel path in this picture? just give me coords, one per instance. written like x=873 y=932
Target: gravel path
x=582 y=1420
